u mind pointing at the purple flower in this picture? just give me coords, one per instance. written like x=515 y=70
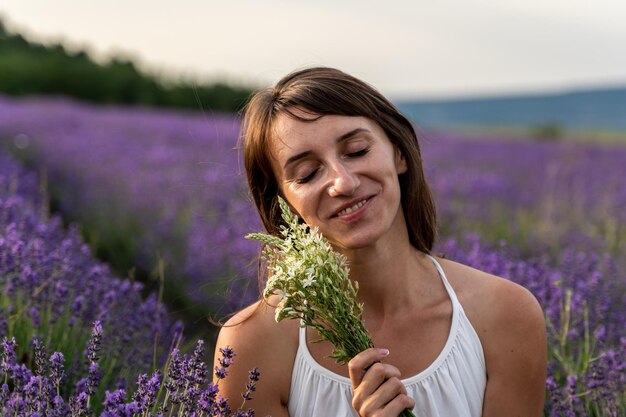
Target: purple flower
x=147 y=389
x=40 y=357
x=114 y=404
x=95 y=342
x=33 y=312
x=57 y=369
x=94 y=377
x=207 y=400
x=8 y=355
x=222 y=408
x=174 y=373
x=78 y=404
x=253 y=378
x=225 y=360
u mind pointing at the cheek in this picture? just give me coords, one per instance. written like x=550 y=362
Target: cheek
x=298 y=201
x=305 y=206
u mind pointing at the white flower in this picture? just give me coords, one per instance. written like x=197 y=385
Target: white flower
x=313 y=285
x=308 y=281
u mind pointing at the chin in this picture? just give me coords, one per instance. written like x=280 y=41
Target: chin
x=356 y=242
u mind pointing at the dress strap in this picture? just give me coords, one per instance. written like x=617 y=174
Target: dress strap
x=446 y=283
x=302 y=334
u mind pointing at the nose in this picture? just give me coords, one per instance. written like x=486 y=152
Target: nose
x=343 y=182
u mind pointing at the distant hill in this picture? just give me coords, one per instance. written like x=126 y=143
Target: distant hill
x=591 y=109
x=30 y=68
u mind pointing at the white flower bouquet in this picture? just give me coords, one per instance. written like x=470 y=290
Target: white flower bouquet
x=312 y=282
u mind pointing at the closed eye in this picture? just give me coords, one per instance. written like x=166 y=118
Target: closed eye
x=307 y=178
x=358 y=153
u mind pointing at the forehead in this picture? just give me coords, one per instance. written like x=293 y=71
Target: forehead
x=290 y=134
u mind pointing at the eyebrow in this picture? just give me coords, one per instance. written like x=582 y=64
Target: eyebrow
x=340 y=139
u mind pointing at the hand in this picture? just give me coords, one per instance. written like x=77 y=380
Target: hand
x=378 y=391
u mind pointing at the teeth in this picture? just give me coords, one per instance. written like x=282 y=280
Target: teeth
x=351 y=209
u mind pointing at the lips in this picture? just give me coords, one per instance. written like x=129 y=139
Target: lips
x=352 y=207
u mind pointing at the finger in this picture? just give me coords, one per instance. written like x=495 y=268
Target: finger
x=390 y=397
x=377 y=375
x=361 y=362
x=380 y=385
x=398 y=404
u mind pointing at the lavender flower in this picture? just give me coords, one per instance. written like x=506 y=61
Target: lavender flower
x=114 y=402
x=251 y=385
x=224 y=362
x=57 y=371
x=95 y=343
x=147 y=390
x=39 y=351
x=174 y=373
x=78 y=404
x=8 y=356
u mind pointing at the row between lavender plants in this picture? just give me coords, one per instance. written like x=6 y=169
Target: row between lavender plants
x=148 y=185
x=52 y=290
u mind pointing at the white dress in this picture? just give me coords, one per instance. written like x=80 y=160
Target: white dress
x=452 y=386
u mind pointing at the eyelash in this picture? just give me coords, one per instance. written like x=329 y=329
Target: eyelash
x=309 y=177
x=359 y=153
x=306 y=179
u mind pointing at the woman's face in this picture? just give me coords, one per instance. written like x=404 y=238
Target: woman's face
x=340 y=174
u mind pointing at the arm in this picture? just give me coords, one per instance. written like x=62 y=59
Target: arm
x=258 y=341
x=515 y=346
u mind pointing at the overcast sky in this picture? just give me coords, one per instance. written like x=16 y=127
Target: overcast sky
x=409 y=48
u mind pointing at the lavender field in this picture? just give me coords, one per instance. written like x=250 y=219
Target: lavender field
x=156 y=188
x=57 y=298
x=149 y=186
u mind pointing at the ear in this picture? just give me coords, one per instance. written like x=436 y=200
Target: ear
x=400 y=162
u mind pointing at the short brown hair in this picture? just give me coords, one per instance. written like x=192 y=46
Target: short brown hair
x=328 y=91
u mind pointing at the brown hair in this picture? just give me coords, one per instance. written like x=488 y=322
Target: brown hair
x=328 y=91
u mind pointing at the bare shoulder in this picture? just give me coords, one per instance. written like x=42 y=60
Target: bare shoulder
x=492 y=302
x=511 y=326
x=259 y=342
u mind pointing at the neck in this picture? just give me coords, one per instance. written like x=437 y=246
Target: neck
x=391 y=278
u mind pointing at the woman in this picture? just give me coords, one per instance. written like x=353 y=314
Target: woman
x=450 y=340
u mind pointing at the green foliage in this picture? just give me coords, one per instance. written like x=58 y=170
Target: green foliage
x=571 y=362
x=65 y=334
x=549 y=131
x=30 y=68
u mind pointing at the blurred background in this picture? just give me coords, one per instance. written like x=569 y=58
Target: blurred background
x=409 y=50
x=119 y=126
x=552 y=66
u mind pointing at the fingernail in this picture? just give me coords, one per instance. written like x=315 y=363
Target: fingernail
x=383 y=352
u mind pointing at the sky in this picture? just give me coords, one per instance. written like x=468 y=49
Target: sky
x=406 y=48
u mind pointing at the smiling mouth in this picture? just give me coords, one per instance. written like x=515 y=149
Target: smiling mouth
x=351 y=209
